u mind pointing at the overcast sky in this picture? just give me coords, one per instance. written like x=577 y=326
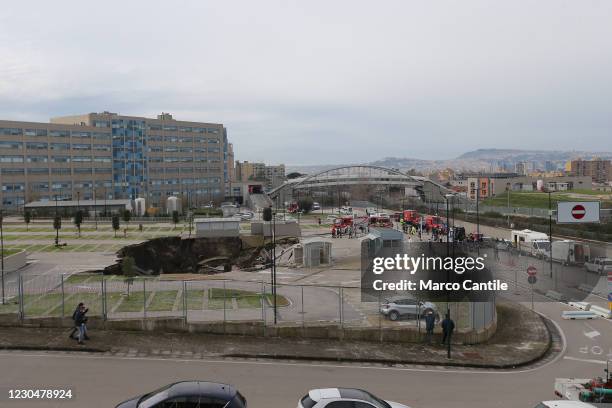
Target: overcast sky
x=312 y=82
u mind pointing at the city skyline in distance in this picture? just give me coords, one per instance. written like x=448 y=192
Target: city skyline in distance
x=295 y=84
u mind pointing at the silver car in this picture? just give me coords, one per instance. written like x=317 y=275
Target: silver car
x=344 y=398
x=398 y=307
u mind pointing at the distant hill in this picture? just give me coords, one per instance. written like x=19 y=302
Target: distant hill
x=476 y=160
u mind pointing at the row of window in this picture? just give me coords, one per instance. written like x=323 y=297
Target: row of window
x=175 y=149
x=54 y=133
x=54 y=146
x=161 y=182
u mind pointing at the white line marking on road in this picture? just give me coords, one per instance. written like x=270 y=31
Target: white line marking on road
x=592 y=334
x=584 y=360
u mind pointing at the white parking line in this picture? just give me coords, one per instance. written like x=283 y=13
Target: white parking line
x=585 y=360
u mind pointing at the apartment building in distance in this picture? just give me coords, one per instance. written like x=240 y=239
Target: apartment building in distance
x=112 y=156
x=272 y=176
x=599 y=170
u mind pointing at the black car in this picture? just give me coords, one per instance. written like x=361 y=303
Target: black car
x=189 y=394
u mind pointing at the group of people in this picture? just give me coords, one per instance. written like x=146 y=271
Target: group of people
x=349 y=231
x=79 y=318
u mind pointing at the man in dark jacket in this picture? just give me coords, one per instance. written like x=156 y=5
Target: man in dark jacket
x=447 y=328
x=80 y=321
x=430 y=320
x=75 y=328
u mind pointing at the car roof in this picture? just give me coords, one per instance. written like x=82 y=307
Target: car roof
x=216 y=390
x=567 y=404
x=323 y=393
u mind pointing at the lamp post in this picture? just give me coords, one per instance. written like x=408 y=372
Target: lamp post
x=508 y=194
x=56 y=229
x=95 y=207
x=550 y=231
x=448 y=198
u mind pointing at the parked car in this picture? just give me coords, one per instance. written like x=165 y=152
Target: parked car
x=563 y=404
x=316 y=206
x=344 y=398
x=245 y=216
x=398 y=307
x=599 y=265
x=187 y=394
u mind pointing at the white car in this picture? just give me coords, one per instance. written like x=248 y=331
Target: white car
x=344 y=398
x=563 y=404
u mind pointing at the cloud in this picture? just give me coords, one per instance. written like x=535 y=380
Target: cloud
x=320 y=82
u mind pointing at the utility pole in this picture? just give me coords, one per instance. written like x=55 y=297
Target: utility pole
x=448 y=197
x=95 y=207
x=56 y=230
x=550 y=231
x=508 y=193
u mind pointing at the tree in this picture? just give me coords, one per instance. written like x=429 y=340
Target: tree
x=127 y=267
x=127 y=216
x=305 y=204
x=294 y=175
x=78 y=220
x=57 y=225
x=27 y=217
x=116 y=224
x=175 y=218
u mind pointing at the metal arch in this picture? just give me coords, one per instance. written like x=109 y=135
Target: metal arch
x=393 y=171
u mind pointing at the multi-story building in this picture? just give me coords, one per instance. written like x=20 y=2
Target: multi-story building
x=599 y=170
x=273 y=176
x=114 y=156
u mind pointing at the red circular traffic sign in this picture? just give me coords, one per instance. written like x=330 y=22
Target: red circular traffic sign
x=531 y=271
x=578 y=211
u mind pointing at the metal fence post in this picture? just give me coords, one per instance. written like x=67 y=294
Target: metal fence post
x=263 y=305
x=185 y=301
x=303 y=319
x=63 y=296
x=224 y=312
x=341 y=309
x=103 y=293
x=21 y=298
x=144 y=298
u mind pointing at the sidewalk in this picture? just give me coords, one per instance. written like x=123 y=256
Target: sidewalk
x=505 y=350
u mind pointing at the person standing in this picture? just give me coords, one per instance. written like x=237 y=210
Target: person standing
x=81 y=322
x=75 y=328
x=430 y=320
x=447 y=328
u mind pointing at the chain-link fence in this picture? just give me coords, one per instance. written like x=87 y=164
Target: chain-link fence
x=214 y=300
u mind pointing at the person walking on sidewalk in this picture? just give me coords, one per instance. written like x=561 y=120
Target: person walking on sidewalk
x=75 y=328
x=430 y=320
x=447 y=328
x=81 y=322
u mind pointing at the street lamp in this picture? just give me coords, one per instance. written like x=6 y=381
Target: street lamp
x=448 y=197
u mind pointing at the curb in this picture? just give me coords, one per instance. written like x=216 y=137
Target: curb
x=54 y=348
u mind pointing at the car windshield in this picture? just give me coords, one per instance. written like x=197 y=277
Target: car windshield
x=364 y=396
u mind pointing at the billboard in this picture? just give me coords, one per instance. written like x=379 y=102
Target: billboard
x=575 y=212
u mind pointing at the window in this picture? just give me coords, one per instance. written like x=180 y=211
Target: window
x=35 y=132
x=61 y=185
x=37 y=146
x=84 y=135
x=101 y=123
x=171 y=149
x=37 y=159
x=186 y=139
x=172 y=139
x=155 y=149
x=10 y=131
x=102 y=148
x=11 y=145
x=59 y=133
x=185 y=150
x=192 y=402
x=154 y=127
x=102 y=159
x=13 y=172
x=61 y=170
x=78 y=146
x=170 y=128
x=214 y=131
x=214 y=141
x=82 y=170
x=101 y=136
x=154 y=138
x=60 y=159
x=38 y=171
x=11 y=159
x=102 y=170
x=340 y=404
x=59 y=146
x=39 y=186
x=185 y=129
x=8 y=187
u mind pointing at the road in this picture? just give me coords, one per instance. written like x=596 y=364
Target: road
x=101 y=381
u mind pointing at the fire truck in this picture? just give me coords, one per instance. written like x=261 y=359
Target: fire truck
x=411 y=217
x=433 y=221
x=380 y=220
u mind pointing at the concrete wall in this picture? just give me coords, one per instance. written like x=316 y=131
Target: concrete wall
x=282 y=229
x=15 y=261
x=257 y=329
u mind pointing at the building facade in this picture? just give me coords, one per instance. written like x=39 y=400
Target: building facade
x=272 y=176
x=106 y=155
x=599 y=170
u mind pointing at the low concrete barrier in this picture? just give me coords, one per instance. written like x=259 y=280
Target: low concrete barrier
x=580 y=305
x=257 y=329
x=601 y=311
x=585 y=288
x=556 y=296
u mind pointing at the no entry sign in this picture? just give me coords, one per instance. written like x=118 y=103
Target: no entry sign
x=572 y=212
x=531 y=270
